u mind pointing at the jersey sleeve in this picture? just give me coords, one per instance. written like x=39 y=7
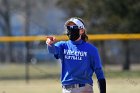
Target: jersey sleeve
x=56 y=49
x=97 y=65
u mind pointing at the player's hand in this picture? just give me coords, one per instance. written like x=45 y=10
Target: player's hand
x=50 y=40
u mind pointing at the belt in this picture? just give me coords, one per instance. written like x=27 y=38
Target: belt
x=73 y=86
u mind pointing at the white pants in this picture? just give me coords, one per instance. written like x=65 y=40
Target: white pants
x=86 y=89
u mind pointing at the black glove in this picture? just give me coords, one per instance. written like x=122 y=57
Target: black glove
x=102 y=85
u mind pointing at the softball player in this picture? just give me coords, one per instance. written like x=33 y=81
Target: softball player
x=79 y=59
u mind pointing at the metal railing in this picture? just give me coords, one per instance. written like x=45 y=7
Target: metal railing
x=64 y=37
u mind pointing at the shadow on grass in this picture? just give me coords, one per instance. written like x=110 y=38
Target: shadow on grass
x=122 y=74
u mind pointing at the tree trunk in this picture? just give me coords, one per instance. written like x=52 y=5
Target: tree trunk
x=7 y=29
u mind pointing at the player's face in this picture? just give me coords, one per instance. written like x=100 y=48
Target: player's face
x=73 y=31
x=81 y=31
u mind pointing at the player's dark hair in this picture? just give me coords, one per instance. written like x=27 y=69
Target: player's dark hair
x=84 y=36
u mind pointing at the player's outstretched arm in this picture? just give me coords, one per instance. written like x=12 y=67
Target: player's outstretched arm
x=50 y=40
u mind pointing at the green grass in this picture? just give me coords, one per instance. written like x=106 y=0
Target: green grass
x=45 y=79
x=122 y=74
x=17 y=71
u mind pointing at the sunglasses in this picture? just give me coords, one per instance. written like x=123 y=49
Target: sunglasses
x=73 y=27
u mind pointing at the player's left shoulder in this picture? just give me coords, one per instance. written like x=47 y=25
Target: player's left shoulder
x=91 y=48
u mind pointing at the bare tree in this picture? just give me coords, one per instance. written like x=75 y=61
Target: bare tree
x=6 y=27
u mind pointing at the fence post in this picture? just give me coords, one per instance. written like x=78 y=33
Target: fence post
x=126 y=64
x=27 y=28
x=103 y=55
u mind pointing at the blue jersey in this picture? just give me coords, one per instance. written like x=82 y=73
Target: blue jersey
x=79 y=61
